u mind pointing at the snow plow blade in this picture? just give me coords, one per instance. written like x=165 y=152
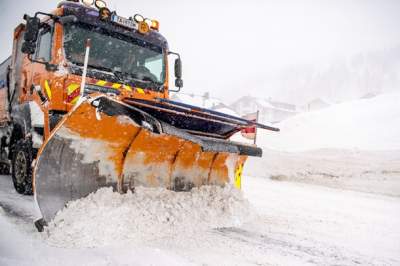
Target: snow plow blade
x=106 y=142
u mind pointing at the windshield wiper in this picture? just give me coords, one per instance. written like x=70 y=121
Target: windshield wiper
x=132 y=78
x=120 y=76
x=100 y=68
x=93 y=67
x=124 y=77
x=149 y=80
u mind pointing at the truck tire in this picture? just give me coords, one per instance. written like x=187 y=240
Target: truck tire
x=21 y=167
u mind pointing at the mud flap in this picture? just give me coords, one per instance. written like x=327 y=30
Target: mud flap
x=104 y=142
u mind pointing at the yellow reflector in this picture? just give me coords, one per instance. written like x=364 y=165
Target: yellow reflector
x=116 y=86
x=127 y=87
x=47 y=88
x=101 y=82
x=75 y=99
x=100 y=4
x=238 y=177
x=140 y=90
x=71 y=88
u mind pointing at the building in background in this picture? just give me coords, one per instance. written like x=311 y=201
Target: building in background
x=369 y=95
x=270 y=111
x=316 y=104
x=204 y=101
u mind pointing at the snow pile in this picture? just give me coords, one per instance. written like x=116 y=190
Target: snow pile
x=366 y=124
x=106 y=217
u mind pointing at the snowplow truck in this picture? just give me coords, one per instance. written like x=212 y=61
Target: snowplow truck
x=85 y=104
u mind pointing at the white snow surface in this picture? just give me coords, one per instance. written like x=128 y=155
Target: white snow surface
x=349 y=147
x=353 y=145
x=368 y=171
x=295 y=224
x=146 y=215
x=366 y=124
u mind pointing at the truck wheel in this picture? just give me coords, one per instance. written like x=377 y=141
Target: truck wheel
x=21 y=167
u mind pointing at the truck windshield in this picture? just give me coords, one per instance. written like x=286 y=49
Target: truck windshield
x=134 y=59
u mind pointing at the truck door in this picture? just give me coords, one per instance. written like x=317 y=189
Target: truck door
x=43 y=54
x=4 y=84
x=17 y=77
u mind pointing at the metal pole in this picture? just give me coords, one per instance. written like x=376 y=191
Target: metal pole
x=85 y=64
x=255 y=132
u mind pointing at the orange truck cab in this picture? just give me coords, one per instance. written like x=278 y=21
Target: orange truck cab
x=40 y=82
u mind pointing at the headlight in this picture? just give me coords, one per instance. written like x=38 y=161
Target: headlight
x=148 y=21
x=138 y=18
x=100 y=4
x=88 y=2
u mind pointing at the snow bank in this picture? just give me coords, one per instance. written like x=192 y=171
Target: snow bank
x=106 y=217
x=366 y=124
x=367 y=171
x=353 y=145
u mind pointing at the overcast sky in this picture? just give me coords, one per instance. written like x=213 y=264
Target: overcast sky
x=225 y=45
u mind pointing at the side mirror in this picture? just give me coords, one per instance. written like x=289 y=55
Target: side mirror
x=32 y=28
x=31 y=34
x=178 y=73
x=178 y=83
x=67 y=19
x=178 y=68
x=28 y=48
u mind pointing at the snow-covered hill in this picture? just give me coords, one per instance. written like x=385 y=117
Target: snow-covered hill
x=354 y=145
x=365 y=124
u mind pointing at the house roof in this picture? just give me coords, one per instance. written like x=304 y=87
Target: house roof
x=201 y=101
x=318 y=100
x=263 y=103
x=196 y=100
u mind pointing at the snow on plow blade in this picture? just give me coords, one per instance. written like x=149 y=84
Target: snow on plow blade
x=105 y=142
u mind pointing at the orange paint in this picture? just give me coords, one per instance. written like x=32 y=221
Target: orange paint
x=36 y=74
x=139 y=156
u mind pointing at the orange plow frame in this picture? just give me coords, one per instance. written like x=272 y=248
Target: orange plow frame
x=105 y=142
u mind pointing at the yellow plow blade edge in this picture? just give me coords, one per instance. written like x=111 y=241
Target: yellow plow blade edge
x=104 y=142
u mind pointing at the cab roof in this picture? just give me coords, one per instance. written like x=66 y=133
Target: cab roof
x=89 y=15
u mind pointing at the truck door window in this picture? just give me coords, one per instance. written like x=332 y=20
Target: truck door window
x=155 y=66
x=16 y=77
x=43 y=52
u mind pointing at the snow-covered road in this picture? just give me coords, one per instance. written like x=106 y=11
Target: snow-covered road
x=295 y=224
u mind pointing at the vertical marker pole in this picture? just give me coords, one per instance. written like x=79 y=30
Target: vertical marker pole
x=255 y=131
x=85 y=64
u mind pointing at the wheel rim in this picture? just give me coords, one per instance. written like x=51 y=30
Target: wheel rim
x=20 y=167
